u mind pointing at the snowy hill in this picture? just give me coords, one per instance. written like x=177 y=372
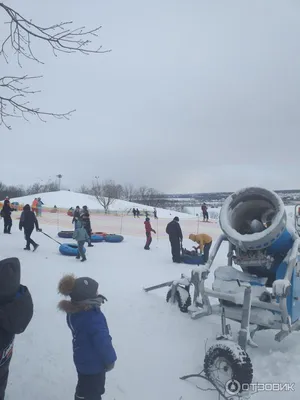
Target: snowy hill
x=66 y=199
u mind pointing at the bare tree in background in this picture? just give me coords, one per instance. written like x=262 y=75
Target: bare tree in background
x=61 y=38
x=129 y=192
x=106 y=193
x=85 y=189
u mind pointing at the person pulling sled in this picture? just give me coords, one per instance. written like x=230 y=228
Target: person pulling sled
x=28 y=221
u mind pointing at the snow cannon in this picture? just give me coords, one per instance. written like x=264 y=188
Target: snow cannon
x=254 y=221
x=262 y=293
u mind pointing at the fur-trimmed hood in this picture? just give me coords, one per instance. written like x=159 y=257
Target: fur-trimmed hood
x=71 y=308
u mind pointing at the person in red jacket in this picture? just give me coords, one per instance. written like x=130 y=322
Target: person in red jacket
x=148 y=229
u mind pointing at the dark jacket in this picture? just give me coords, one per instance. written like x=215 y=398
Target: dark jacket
x=93 y=351
x=6 y=210
x=15 y=315
x=174 y=230
x=28 y=220
x=85 y=218
x=76 y=215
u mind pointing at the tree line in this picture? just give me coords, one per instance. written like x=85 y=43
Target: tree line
x=13 y=191
x=108 y=191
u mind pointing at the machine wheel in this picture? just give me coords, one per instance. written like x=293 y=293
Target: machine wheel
x=228 y=366
x=182 y=298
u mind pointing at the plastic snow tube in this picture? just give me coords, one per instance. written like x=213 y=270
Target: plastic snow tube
x=69 y=249
x=65 y=234
x=97 y=238
x=112 y=238
x=193 y=260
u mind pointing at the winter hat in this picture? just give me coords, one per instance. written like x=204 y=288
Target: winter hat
x=176 y=219
x=10 y=276
x=147 y=219
x=26 y=207
x=79 y=289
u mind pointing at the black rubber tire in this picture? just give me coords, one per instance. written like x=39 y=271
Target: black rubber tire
x=237 y=358
x=183 y=307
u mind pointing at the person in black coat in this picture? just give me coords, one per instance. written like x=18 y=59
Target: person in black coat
x=76 y=215
x=28 y=221
x=175 y=236
x=6 y=215
x=86 y=221
x=16 y=311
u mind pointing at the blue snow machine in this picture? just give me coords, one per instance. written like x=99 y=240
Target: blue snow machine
x=258 y=286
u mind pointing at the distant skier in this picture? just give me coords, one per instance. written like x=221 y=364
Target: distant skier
x=85 y=218
x=28 y=221
x=174 y=231
x=134 y=212
x=6 y=215
x=155 y=213
x=137 y=213
x=204 y=212
x=204 y=244
x=148 y=229
x=93 y=352
x=16 y=311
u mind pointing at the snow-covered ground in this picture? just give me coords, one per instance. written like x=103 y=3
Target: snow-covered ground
x=155 y=343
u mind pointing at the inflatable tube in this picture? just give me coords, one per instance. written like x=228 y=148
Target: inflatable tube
x=100 y=233
x=112 y=238
x=253 y=218
x=193 y=260
x=97 y=238
x=65 y=234
x=69 y=249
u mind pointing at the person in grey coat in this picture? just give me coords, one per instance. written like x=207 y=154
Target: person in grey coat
x=81 y=236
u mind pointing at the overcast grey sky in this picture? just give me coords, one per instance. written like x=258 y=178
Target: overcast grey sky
x=196 y=95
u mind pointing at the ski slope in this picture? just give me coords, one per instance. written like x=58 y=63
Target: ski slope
x=65 y=199
x=155 y=342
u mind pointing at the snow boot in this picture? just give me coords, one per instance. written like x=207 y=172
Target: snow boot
x=84 y=259
x=77 y=257
x=90 y=245
x=35 y=246
x=26 y=248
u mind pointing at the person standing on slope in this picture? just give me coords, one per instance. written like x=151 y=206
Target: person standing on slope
x=85 y=218
x=76 y=215
x=93 y=352
x=28 y=221
x=6 y=215
x=16 y=311
x=174 y=231
x=204 y=244
x=148 y=229
x=81 y=236
x=204 y=212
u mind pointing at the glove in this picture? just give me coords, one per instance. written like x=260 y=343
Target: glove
x=39 y=230
x=110 y=367
x=154 y=231
x=20 y=229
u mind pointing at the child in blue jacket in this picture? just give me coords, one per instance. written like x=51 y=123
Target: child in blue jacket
x=93 y=352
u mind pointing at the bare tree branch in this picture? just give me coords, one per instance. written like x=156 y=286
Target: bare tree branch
x=106 y=193
x=61 y=38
